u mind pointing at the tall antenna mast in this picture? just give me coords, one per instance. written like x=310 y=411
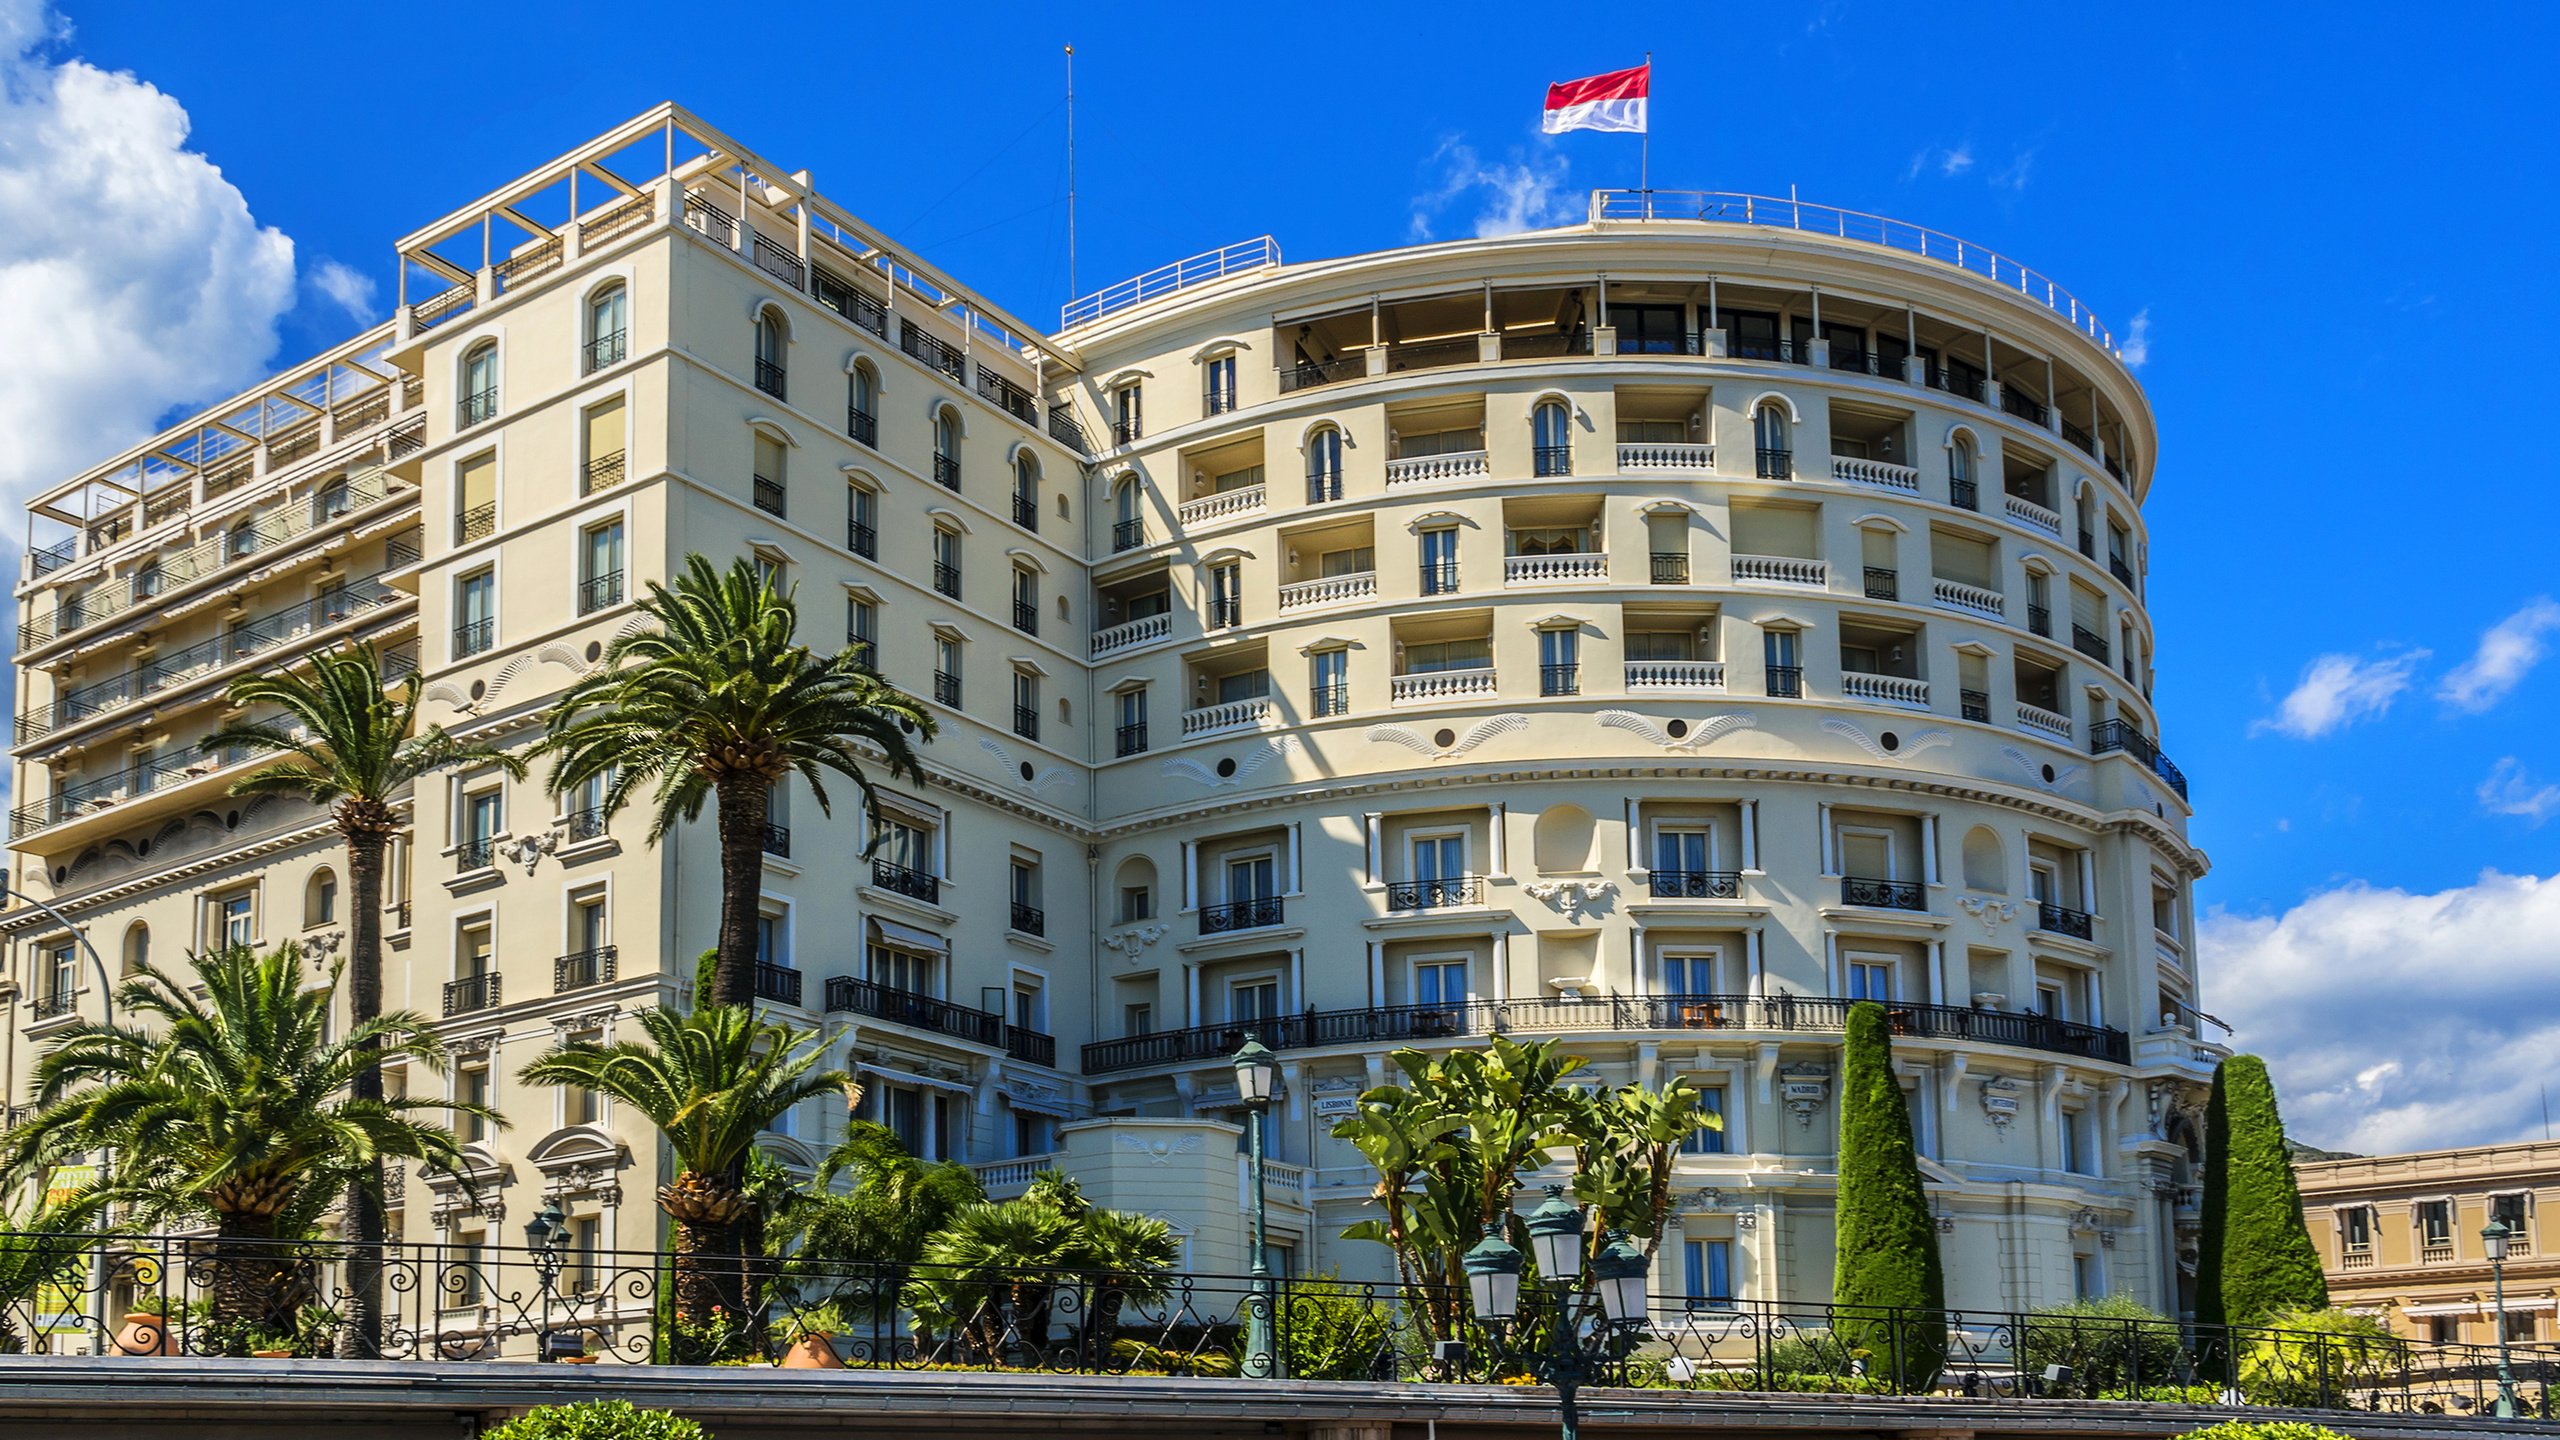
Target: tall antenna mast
x=1071 y=170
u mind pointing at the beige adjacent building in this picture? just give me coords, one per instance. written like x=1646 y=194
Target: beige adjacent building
x=2399 y=1236
x=1659 y=632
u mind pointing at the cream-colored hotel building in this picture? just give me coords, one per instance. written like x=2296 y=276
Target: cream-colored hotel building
x=1658 y=631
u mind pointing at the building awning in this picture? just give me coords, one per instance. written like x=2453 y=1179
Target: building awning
x=908 y=937
x=1051 y=1105
x=2478 y=1307
x=909 y=1077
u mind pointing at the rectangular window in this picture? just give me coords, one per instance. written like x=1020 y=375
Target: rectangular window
x=1137 y=1019
x=2355 y=1229
x=1439 y=857
x=1559 y=661
x=1243 y=685
x=584 y=1270
x=1221 y=376
x=1779 y=657
x=1871 y=980
x=2085 y=1284
x=2074 y=1141
x=471 y=1087
x=235 y=920
x=475 y=483
x=862 y=631
x=1684 y=852
x=1329 y=682
x=475 y=613
x=605 y=461
x=1226 y=596
x=1250 y=878
x=600 y=567
x=1137 y=902
x=1707 y=1271
x=1130 y=734
x=1440 y=982
x=2435 y=1225
x=2508 y=1210
x=1707 y=1139
x=1335 y=564
x=1255 y=999
x=1439 y=561
x=1026 y=704
x=770 y=494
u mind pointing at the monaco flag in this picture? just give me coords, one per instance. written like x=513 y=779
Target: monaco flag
x=1614 y=101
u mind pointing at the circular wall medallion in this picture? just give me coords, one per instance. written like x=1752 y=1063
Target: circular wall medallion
x=1890 y=741
x=1445 y=738
x=1026 y=771
x=595 y=651
x=479 y=689
x=2048 y=774
x=1226 y=768
x=1676 y=729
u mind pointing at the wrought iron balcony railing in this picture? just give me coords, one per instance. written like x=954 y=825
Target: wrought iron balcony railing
x=470 y=993
x=1443 y=893
x=905 y=880
x=1254 y=914
x=847 y=995
x=1695 y=884
x=1882 y=894
x=581 y=969
x=777 y=983
x=2063 y=920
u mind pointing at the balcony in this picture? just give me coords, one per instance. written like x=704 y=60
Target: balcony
x=2029 y=513
x=862 y=540
x=946 y=689
x=1452 y=468
x=1440 y=577
x=1964 y=495
x=477 y=523
x=779 y=261
x=1127 y=535
x=2063 y=920
x=474 y=637
x=1226 y=612
x=1643 y=459
x=769 y=377
x=2044 y=722
x=2026 y=407
x=1007 y=396
x=602 y=473
x=1260 y=913
x=905 y=880
x=470 y=993
x=777 y=840
x=1218 y=400
x=1956 y=595
x=862 y=426
x=1784 y=682
x=53 y=1004
x=1670 y=569
x=929 y=349
x=1883 y=582
x=1026 y=511
x=2040 y=621
x=1068 y=431
x=849 y=996
x=1027 y=919
x=1695 y=884
x=1232 y=715
x=1674 y=675
x=1974 y=705
x=1129 y=739
x=946 y=578
x=1876 y=894
x=1850 y=470
x=582 y=969
x=1446 y=893
x=1326 y=701
x=602 y=592
x=1131 y=633
x=587 y=824
x=2108 y=735
x=1224 y=505
x=1127 y=430
x=1031 y=1047
x=1560 y=679
x=608 y=349
x=1897 y=690
x=1324 y=486
x=1781 y=570
x=2089 y=642
x=770 y=497
x=946 y=472
x=777 y=983
x=1026 y=617
x=1370 y=1028
x=1549 y=461
x=478 y=407
x=1309 y=375
x=1026 y=722
x=1771 y=463
x=1441 y=685
x=1564 y=568
x=1330 y=590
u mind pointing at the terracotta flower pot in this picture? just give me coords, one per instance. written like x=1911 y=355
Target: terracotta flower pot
x=143 y=1335
x=270 y=1354
x=811 y=1352
x=578 y=1359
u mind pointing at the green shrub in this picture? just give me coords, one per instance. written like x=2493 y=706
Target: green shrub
x=2267 y=1262
x=2318 y=1358
x=598 y=1420
x=1332 y=1331
x=2264 y=1430
x=2112 y=1345
x=1887 y=1239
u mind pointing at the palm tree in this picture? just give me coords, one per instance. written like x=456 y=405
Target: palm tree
x=711 y=1081
x=715 y=700
x=347 y=745
x=991 y=1273
x=234 y=1106
x=858 y=1249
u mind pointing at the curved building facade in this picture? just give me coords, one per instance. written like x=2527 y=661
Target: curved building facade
x=1661 y=632
x=1658 y=632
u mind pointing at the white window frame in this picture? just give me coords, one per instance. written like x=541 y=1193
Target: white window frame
x=1842 y=830
x=1415 y=839
x=1414 y=965
x=1276 y=978
x=1850 y=960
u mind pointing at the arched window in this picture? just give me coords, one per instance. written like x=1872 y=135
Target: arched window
x=862 y=404
x=480 y=383
x=1961 y=468
x=946 y=447
x=608 y=327
x=1769 y=431
x=1128 y=528
x=1324 y=465
x=1026 y=490
x=137 y=947
x=320 y=900
x=1551 y=433
x=771 y=349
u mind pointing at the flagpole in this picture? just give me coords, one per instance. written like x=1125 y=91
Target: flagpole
x=1644 y=147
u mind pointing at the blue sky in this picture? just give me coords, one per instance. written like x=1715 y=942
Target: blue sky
x=2336 y=239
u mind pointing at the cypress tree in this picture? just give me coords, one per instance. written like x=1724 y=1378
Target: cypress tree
x=2209 y=1222
x=2267 y=1263
x=1887 y=1241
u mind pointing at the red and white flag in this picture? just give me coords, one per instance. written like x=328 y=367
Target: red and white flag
x=1614 y=101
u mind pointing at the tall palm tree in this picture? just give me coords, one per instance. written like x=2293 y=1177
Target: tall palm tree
x=347 y=744
x=714 y=699
x=233 y=1106
x=711 y=1081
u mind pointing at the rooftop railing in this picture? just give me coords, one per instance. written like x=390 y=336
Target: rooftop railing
x=1734 y=208
x=1255 y=254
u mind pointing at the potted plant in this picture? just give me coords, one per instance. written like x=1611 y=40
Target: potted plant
x=266 y=1344
x=146 y=1327
x=811 y=1331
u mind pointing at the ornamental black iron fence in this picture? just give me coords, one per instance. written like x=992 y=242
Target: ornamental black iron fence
x=164 y=1295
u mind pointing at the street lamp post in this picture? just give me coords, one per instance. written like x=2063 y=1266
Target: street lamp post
x=2493 y=1239
x=106 y=1154
x=1569 y=1360
x=545 y=1234
x=1257 y=1072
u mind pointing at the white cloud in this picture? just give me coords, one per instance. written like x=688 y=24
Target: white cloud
x=2013 y=176
x=2508 y=651
x=349 y=289
x=1528 y=192
x=1957 y=161
x=2396 y=1021
x=2509 y=790
x=2338 y=690
x=2135 y=348
x=131 y=272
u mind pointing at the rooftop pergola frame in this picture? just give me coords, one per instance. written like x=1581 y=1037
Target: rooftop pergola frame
x=667 y=165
